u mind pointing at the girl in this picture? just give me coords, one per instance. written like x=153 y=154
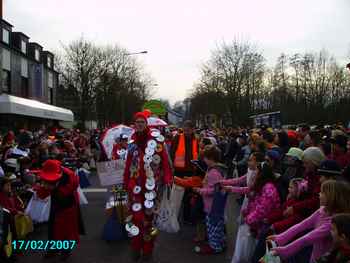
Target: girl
x=277 y=222
x=243 y=184
x=341 y=240
x=264 y=199
x=332 y=201
x=312 y=158
x=213 y=208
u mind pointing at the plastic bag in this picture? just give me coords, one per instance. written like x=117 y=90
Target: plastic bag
x=269 y=258
x=39 y=209
x=167 y=218
x=24 y=226
x=82 y=198
x=245 y=245
x=176 y=196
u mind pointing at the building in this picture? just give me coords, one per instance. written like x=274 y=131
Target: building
x=28 y=83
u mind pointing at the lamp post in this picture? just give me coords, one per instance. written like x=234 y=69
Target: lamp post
x=136 y=53
x=122 y=103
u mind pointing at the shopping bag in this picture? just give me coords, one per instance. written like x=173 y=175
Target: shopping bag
x=39 y=209
x=245 y=245
x=176 y=196
x=269 y=258
x=24 y=226
x=82 y=198
x=166 y=216
x=8 y=245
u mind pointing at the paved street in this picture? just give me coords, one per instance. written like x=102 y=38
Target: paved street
x=169 y=247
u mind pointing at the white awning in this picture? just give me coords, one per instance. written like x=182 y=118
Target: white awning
x=15 y=105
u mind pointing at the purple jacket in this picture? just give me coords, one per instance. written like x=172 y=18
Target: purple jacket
x=320 y=236
x=261 y=205
x=207 y=192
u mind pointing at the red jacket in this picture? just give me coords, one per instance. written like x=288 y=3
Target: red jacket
x=312 y=200
x=140 y=145
x=343 y=160
x=281 y=223
x=10 y=203
x=65 y=222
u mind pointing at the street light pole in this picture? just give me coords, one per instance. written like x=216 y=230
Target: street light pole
x=122 y=103
x=136 y=53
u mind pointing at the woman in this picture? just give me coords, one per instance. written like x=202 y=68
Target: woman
x=263 y=200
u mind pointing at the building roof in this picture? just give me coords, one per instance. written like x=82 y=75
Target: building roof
x=21 y=34
x=36 y=44
x=6 y=23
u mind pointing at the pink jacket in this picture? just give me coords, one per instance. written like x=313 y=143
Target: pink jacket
x=207 y=192
x=261 y=205
x=319 y=224
x=244 y=183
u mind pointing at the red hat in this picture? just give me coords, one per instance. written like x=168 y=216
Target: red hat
x=143 y=115
x=51 y=171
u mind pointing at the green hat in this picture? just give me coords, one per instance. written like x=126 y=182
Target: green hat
x=296 y=153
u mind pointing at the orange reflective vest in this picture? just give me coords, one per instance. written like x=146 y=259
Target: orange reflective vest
x=180 y=155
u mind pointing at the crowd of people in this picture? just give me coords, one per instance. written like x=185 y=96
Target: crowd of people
x=292 y=187
x=293 y=184
x=42 y=165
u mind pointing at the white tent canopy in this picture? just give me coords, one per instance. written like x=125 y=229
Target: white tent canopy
x=15 y=105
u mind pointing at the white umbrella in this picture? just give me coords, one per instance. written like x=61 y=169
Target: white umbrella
x=109 y=137
x=156 y=122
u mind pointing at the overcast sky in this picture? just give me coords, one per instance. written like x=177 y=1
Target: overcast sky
x=179 y=34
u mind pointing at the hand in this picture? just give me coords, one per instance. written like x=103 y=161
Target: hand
x=224 y=182
x=227 y=189
x=271 y=238
x=274 y=252
x=288 y=212
x=196 y=190
x=20 y=213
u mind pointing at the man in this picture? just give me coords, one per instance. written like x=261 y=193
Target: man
x=147 y=169
x=184 y=149
x=340 y=152
x=65 y=222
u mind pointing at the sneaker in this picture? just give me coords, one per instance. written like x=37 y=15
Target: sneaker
x=204 y=250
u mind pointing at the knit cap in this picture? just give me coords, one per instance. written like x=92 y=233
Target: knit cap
x=296 y=153
x=314 y=155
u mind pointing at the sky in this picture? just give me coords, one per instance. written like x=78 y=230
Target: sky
x=179 y=35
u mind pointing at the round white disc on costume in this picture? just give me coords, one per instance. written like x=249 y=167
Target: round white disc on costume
x=137 y=189
x=152 y=144
x=136 y=207
x=160 y=138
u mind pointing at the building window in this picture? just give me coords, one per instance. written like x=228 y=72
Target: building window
x=24 y=68
x=6 y=36
x=37 y=55
x=50 y=80
x=24 y=47
x=49 y=62
x=6 y=81
x=24 y=87
x=6 y=59
x=50 y=96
